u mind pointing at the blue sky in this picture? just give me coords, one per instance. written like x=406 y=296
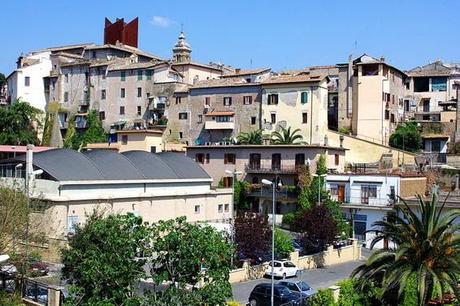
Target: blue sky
x=279 y=34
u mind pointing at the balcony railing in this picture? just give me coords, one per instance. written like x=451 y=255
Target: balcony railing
x=272 y=168
x=364 y=200
x=283 y=194
x=436 y=157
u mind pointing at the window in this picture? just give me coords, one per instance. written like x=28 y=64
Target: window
x=123 y=76
x=276 y=161
x=304 y=117
x=103 y=73
x=439 y=84
x=299 y=160
x=273 y=118
x=426 y=105
x=124 y=139
x=406 y=105
x=248 y=80
x=182 y=116
x=392 y=192
x=27 y=81
x=229 y=158
x=227 y=101
x=178 y=100
x=272 y=99
x=207 y=101
x=304 y=97
x=102 y=115
x=72 y=223
x=254 y=161
x=253 y=120
x=370 y=69
x=181 y=135
x=139 y=110
x=139 y=92
x=199 y=158
x=207 y=157
x=247 y=100
x=200 y=118
x=336 y=159
x=387 y=114
x=139 y=75
x=66 y=77
x=94 y=54
x=368 y=191
x=223 y=118
x=220 y=208
x=227 y=181
x=122 y=92
x=103 y=94
x=122 y=110
x=149 y=74
x=197 y=209
x=392 y=118
x=227 y=207
x=421 y=84
x=66 y=96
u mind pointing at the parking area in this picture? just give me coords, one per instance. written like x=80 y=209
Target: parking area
x=316 y=278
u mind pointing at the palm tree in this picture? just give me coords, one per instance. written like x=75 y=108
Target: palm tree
x=425 y=245
x=253 y=137
x=285 y=136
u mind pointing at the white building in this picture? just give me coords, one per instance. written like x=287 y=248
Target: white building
x=367 y=198
x=26 y=81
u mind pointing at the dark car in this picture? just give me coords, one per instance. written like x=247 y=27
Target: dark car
x=261 y=296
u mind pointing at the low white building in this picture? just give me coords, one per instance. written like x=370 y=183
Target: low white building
x=367 y=198
x=155 y=186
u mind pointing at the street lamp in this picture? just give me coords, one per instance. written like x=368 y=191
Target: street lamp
x=319 y=185
x=274 y=185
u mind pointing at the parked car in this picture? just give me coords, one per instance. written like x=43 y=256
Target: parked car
x=297 y=247
x=261 y=296
x=301 y=287
x=282 y=268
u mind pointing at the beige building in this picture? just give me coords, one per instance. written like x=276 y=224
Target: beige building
x=298 y=101
x=154 y=186
x=257 y=162
x=134 y=140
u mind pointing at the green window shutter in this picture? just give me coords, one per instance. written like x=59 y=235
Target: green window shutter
x=304 y=97
x=123 y=75
x=139 y=75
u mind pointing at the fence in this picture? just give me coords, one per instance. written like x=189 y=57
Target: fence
x=327 y=258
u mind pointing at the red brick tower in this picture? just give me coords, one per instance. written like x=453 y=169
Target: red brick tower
x=125 y=33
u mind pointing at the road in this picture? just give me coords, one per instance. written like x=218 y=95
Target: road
x=316 y=278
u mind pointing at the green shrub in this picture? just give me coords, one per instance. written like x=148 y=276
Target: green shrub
x=349 y=296
x=283 y=244
x=10 y=300
x=323 y=298
x=410 y=293
x=289 y=218
x=345 y=130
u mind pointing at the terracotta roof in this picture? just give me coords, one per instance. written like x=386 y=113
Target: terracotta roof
x=217 y=113
x=227 y=82
x=299 y=78
x=22 y=149
x=246 y=72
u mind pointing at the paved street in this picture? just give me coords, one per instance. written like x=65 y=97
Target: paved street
x=317 y=278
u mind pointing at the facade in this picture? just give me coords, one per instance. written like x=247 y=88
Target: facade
x=154 y=186
x=367 y=198
x=298 y=101
x=256 y=162
x=133 y=140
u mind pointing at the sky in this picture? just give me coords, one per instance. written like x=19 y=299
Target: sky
x=246 y=33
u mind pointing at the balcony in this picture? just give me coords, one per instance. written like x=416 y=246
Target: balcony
x=214 y=125
x=364 y=201
x=219 y=121
x=270 y=168
x=287 y=193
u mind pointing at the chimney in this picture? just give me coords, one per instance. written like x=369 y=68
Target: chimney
x=382 y=59
x=237 y=70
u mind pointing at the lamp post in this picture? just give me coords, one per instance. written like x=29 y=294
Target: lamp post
x=319 y=185
x=274 y=185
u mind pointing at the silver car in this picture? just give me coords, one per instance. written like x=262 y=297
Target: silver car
x=301 y=287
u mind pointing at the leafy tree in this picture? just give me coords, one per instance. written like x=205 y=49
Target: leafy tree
x=317 y=226
x=286 y=136
x=407 y=137
x=14 y=215
x=253 y=137
x=2 y=80
x=186 y=254
x=283 y=244
x=17 y=124
x=241 y=197
x=100 y=260
x=352 y=295
x=94 y=131
x=252 y=235
x=427 y=246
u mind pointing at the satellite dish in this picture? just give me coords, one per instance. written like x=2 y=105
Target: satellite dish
x=4 y=258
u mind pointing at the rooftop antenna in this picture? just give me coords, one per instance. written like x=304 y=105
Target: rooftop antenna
x=181 y=27
x=250 y=63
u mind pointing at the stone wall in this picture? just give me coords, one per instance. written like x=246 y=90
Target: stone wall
x=327 y=258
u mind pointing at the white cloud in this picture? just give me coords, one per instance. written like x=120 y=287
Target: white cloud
x=162 y=22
